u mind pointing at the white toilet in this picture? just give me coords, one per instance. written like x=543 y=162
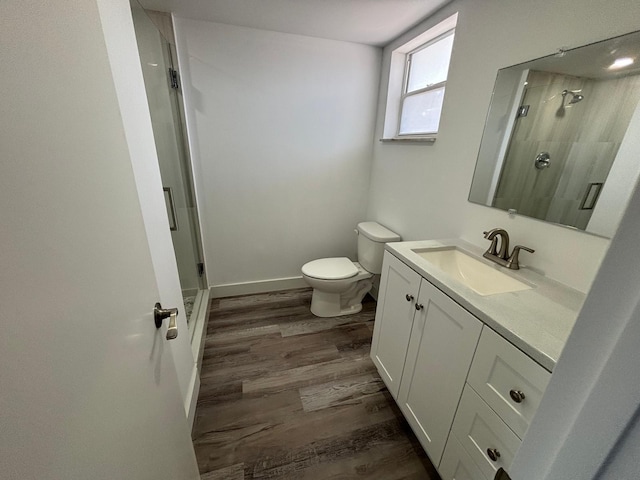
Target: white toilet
x=339 y=285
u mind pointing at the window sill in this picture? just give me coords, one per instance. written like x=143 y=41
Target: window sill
x=424 y=140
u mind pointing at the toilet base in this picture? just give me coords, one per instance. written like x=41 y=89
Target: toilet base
x=325 y=304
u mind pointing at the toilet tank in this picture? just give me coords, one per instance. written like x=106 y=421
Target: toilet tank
x=371 y=239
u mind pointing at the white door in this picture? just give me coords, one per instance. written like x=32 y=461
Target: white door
x=88 y=388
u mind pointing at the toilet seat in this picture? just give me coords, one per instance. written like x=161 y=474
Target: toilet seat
x=336 y=268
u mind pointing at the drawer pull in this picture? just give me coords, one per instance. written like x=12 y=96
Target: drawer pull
x=493 y=453
x=419 y=306
x=517 y=396
x=408 y=297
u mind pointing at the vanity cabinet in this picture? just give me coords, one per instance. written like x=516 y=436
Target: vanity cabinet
x=468 y=394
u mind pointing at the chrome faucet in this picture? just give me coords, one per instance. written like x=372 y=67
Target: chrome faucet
x=502 y=256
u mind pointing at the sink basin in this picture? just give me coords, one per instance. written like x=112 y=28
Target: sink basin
x=479 y=277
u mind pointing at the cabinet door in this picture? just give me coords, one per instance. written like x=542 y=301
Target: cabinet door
x=457 y=464
x=399 y=287
x=441 y=348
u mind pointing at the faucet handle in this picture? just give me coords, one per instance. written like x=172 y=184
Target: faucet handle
x=513 y=262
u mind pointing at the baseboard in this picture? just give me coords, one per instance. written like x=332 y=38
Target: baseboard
x=200 y=317
x=200 y=327
x=262 y=286
x=192 y=400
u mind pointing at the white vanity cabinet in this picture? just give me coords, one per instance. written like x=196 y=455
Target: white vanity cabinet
x=399 y=287
x=459 y=384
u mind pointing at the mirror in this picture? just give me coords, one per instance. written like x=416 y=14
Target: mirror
x=553 y=146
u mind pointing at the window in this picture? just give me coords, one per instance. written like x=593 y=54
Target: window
x=425 y=79
x=417 y=82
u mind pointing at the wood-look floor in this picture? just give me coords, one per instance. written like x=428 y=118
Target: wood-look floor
x=286 y=395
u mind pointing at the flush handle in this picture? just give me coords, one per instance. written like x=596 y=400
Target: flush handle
x=159 y=314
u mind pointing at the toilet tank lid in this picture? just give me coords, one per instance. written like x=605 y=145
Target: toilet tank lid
x=376 y=232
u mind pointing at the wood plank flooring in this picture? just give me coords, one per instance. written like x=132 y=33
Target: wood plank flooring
x=286 y=395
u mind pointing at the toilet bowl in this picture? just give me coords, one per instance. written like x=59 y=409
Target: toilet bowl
x=339 y=284
x=336 y=293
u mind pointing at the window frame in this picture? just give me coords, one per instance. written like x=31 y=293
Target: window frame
x=434 y=86
x=409 y=42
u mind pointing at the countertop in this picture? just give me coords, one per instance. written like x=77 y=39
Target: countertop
x=537 y=321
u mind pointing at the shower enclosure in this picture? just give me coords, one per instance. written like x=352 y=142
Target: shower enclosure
x=156 y=44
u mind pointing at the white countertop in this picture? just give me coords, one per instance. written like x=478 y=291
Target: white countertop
x=537 y=321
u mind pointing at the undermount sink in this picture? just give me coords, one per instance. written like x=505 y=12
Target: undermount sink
x=479 y=277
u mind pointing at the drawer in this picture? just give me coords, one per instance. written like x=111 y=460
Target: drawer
x=498 y=369
x=479 y=430
x=456 y=463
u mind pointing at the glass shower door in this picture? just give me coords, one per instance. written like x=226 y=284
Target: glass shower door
x=157 y=56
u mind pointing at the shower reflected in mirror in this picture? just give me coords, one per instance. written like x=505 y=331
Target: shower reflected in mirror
x=553 y=143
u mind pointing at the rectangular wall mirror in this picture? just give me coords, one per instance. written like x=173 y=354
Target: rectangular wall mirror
x=553 y=133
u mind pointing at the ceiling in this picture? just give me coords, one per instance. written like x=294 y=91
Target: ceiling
x=372 y=22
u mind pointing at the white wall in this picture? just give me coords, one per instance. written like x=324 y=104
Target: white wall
x=421 y=191
x=281 y=138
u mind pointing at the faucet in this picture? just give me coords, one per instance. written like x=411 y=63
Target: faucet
x=493 y=248
x=502 y=257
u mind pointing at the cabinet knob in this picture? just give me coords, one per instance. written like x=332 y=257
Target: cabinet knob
x=408 y=297
x=419 y=306
x=493 y=453
x=517 y=396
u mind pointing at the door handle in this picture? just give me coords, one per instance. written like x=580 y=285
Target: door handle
x=159 y=314
x=173 y=219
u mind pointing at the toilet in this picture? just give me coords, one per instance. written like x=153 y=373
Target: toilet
x=339 y=285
